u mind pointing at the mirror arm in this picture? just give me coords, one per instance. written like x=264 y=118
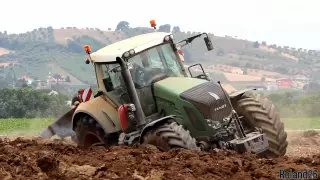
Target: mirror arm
x=190 y=39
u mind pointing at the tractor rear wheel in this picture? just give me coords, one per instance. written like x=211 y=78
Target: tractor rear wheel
x=89 y=133
x=260 y=112
x=170 y=135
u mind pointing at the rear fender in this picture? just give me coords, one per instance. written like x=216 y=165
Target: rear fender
x=154 y=124
x=100 y=110
x=236 y=94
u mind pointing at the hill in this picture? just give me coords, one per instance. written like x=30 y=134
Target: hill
x=58 y=53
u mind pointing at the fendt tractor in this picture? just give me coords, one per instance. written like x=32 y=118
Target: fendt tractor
x=147 y=97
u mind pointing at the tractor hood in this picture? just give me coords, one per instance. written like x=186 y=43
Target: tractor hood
x=206 y=96
x=170 y=88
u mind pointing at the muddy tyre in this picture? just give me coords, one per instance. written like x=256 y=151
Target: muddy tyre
x=260 y=112
x=89 y=133
x=169 y=136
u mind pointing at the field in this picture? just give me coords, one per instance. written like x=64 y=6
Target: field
x=29 y=157
x=23 y=126
x=34 y=126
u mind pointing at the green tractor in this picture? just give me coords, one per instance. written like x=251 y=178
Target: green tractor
x=146 y=97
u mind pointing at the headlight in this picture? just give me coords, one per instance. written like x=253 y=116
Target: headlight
x=131 y=52
x=126 y=54
x=167 y=38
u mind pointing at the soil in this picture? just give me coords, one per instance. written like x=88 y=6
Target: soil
x=35 y=158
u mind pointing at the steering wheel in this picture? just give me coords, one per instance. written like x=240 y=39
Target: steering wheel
x=115 y=69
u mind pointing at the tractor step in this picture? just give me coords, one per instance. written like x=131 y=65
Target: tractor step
x=129 y=139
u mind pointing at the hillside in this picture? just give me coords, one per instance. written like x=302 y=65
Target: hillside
x=59 y=51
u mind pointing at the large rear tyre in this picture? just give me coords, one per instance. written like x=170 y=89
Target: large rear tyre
x=260 y=112
x=89 y=133
x=169 y=136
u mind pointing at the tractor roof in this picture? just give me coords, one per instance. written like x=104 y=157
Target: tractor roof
x=138 y=43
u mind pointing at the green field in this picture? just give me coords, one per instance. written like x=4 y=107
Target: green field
x=301 y=123
x=34 y=126
x=24 y=126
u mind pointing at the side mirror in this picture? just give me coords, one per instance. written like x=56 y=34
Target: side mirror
x=208 y=43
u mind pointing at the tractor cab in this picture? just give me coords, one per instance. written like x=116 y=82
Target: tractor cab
x=146 y=68
x=150 y=58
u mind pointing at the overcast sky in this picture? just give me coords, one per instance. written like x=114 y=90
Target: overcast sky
x=283 y=22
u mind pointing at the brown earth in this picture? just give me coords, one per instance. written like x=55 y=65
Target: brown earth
x=35 y=158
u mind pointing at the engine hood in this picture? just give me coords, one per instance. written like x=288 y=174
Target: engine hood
x=206 y=96
x=170 y=88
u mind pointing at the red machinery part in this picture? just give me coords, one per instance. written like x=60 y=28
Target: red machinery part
x=123 y=114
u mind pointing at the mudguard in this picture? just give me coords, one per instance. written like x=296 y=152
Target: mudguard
x=239 y=93
x=154 y=124
x=100 y=110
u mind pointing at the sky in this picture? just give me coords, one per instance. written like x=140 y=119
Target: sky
x=294 y=23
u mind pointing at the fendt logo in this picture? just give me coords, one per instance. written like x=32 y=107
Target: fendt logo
x=214 y=95
x=220 y=107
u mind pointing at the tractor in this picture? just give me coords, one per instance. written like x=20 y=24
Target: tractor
x=146 y=96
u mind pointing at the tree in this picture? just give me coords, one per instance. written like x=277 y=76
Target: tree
x=122 y=26
x=165 y=28
x=176 y=29
x=245 y=71
x=256 y=44
x=68 y=79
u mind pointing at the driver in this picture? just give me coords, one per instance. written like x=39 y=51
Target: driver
x=138 y=72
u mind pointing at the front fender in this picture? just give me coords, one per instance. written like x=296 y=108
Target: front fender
x=102 y=111
x=240 y=93
x=154 y=124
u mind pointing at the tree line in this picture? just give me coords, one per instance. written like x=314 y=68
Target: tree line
x=31 y=103
x=297 y=104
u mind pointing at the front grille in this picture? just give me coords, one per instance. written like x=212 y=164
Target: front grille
x=207 y=98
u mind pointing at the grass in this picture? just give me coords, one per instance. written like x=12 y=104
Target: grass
x=301 y=123
x=24 y=126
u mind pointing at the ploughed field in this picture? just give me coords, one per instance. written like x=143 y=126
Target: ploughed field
x=35 y=158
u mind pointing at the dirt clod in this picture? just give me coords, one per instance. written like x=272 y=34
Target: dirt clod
x=24 y=158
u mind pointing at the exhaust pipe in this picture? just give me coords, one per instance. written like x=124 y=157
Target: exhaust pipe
x=139 y=114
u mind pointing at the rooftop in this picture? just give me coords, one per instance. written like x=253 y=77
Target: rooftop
x=138 y=43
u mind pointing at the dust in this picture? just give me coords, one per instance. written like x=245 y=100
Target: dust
x=36 y=158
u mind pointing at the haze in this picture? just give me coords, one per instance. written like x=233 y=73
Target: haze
x=282 y=22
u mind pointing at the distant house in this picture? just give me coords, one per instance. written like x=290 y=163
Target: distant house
x=236 y=70
x=288 y=83
x=300 y=78
x=27 y=79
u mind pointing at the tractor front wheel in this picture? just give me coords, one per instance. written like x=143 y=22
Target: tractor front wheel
x=170 y=135
x=260 y=112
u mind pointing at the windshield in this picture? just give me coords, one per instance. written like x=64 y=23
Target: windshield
x=157 y=62
x=145 y=67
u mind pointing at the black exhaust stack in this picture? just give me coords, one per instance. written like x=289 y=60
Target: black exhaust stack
x=139 y=114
